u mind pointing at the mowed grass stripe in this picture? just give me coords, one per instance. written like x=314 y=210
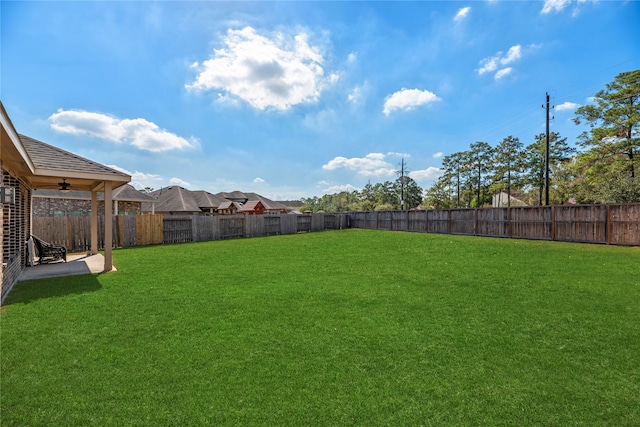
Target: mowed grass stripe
x=347 y=327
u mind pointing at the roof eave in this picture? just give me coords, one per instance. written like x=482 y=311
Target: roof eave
x=14 y=138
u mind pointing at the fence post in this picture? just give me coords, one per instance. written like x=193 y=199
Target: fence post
x=475 y=222
x=69 y=237
x=120 y=242
x=607 y=226
x=553 y=223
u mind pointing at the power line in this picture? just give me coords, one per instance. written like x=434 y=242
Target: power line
x=520 y=117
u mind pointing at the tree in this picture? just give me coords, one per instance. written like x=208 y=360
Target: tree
x=507 y=165
x=438 y=196
x=613 y=142
x=479 y=157
x=534 y=163
x=411 y=190
x=453 y=166
x=385 y=196
x=367 y=197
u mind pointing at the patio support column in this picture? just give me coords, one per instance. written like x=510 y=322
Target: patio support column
x=94 y=222
x=108 y=225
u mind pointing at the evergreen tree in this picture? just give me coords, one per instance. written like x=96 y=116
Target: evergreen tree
x=508 y=163
x=613 y=141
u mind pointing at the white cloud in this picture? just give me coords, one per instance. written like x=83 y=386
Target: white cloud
x=277 y=72
x=566 y=106
x=352 y=57
x=408 y=99
x=141 y=180
x=514 y=53
x=554 y=5
x=258 y=180
x=426 y=174
x=355 y=96
x=503 y=72
x=499 y=61
x=373 y=164
x=438 y=155
x=462 y=13
x=398 y=154
x=180 y=182
x=492 y=63
x=140 y=133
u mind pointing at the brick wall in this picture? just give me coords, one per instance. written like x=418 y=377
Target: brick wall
x=16 y=226
x=48 y=207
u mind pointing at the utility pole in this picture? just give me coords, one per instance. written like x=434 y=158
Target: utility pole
x=402 y=185
x=458 y=170
x=546 y=156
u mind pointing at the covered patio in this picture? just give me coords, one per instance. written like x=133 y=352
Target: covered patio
x=29 y=164
x=76 y=264
x=53 y=167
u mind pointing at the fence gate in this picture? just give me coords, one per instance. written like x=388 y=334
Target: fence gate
x=177 y=230
x=304 y=223
x=271 y=225
x=231 y=226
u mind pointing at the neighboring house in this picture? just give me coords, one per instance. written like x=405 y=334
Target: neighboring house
x=173 y=200
x=228 y=208
x=252 y=208
x=176 y=200
x=28 y=164
x=234 y=196
x=502 y=199
x=270 y=207
x=207 y=202
x=126 y=201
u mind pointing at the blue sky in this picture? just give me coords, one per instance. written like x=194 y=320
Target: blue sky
x=298 y=99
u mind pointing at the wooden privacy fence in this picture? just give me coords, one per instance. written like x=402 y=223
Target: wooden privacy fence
x=610 y=224
x=75 y=232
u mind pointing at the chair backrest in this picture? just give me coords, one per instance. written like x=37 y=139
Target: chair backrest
x=42 y=247
x=38 y=245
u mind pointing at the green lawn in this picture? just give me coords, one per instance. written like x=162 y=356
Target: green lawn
x=352 y=327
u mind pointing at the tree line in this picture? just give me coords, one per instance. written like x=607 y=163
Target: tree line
x=604 y=167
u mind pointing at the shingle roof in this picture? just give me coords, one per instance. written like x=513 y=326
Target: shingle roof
x=207 y=200
x=227 y=204
x=178 y=199
x=174 y=199
x=251 y=206
x=46 y=156
x=130 y=194
x=234 y=195
x=267 y=203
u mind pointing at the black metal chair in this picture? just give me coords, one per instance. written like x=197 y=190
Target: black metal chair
x=49 y=252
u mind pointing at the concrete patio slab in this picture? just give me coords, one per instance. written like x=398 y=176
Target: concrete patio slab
x=76 y=264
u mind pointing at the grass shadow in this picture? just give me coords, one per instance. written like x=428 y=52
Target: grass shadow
x=25 y=292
